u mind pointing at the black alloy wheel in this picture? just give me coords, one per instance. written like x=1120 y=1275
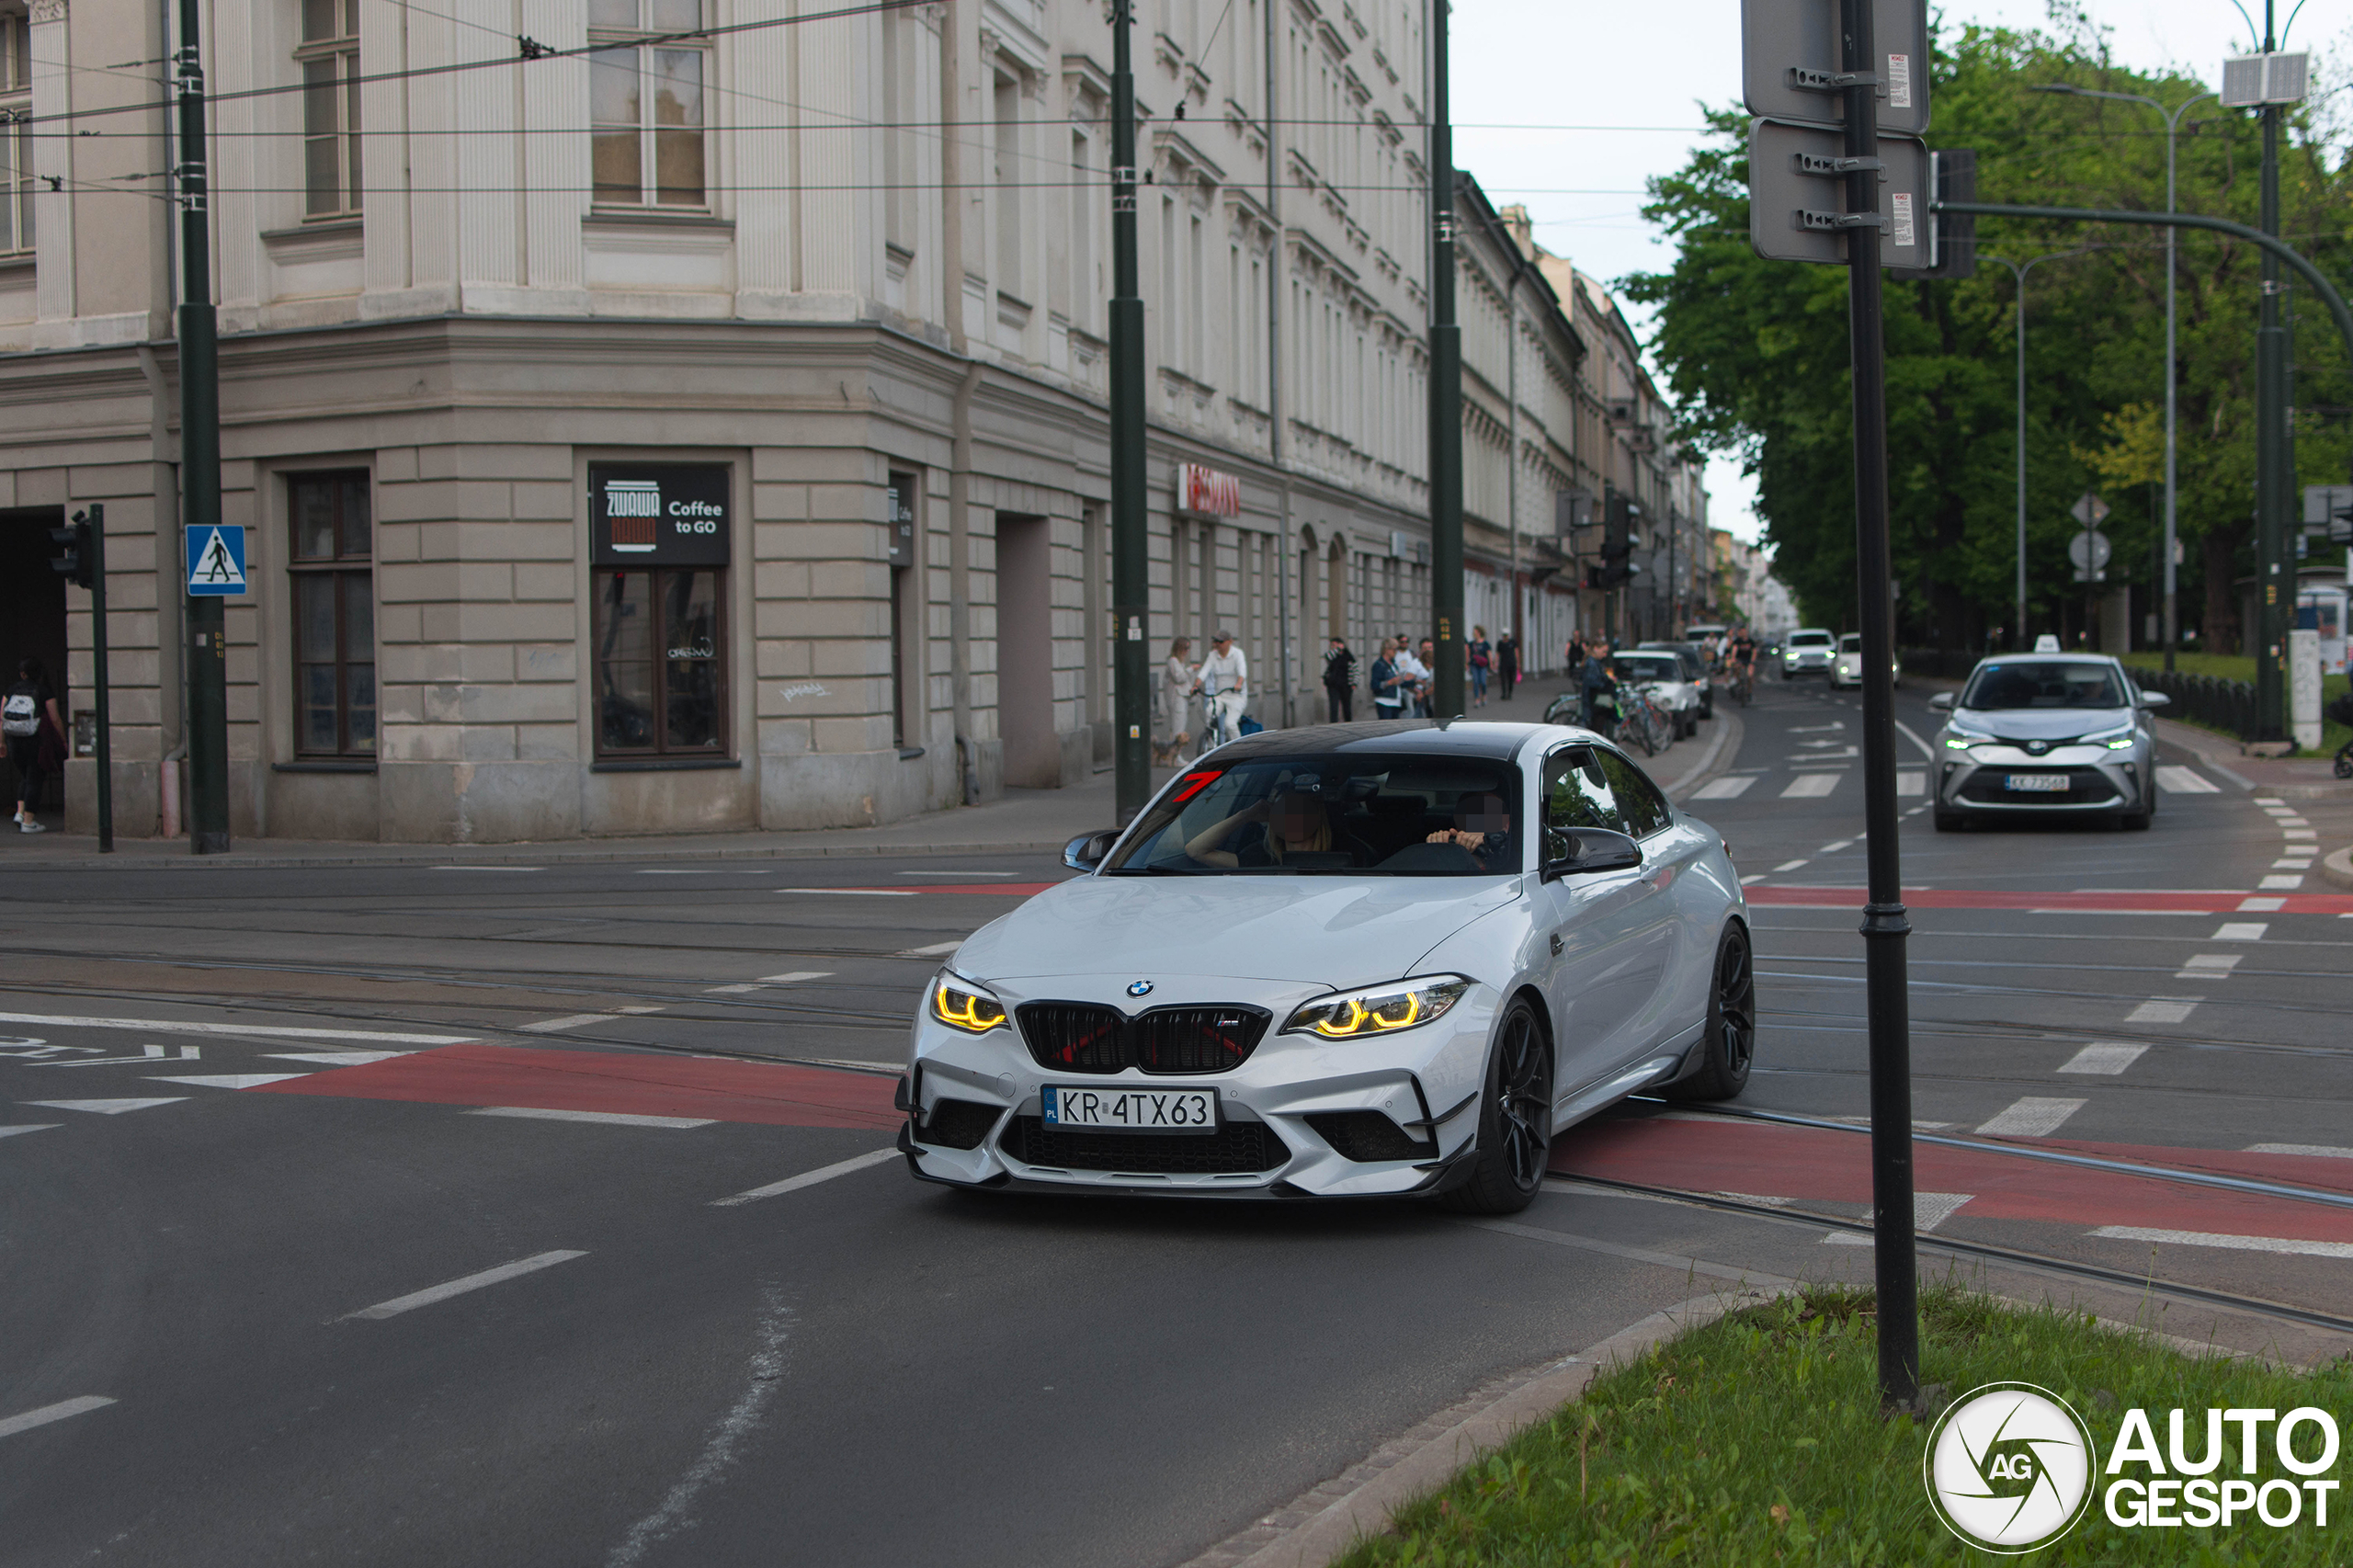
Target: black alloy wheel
x=1730 y=1045
x=1514 y=1119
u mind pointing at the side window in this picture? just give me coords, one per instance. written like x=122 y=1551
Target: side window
x=1577 y=794
x=1644 y=809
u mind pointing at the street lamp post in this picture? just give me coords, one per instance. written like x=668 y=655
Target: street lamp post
x=2173 y=124
x=2018 y=629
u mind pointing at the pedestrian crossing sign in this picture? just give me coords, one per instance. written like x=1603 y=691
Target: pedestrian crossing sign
x=216 y=561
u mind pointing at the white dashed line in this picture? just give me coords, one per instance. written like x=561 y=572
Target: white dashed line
x=1834 y=845
x=2104 y=1056
x=2280 y=883
x=2261 y=905
x=856 y=892
x=605 y=1118
x=442 y=1292
x=2238 y=1244
x=232 y=1080
x=1725 y=788
x=1788 y=866
x=2318 y=1151
x=1753 y=878
x=2033 y=1117
x=765 y=981
x=807 y=1178
x=569 y=1021
x=2214 y=966
x=2182 y=780
x=49 y=1413
x=2162 y=1010
x=2242 y=931
x=490 y=867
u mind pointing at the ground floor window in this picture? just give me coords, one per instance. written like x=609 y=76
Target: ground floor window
x=661 y=663
x=331 y=562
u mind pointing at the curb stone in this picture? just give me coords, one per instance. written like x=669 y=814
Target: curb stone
x=2338 y=867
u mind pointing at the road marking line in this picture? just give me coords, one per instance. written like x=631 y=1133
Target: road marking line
x=2218 y=965
x=2261 y=905
x=153 y=1057
x=1725 y=789
x=2294 y=833
x=937 y=950
x=2280 y=883
x=634 y=1012
x=2296 y=863
x=1754 y=877
x=104 y=1108
x=608 y=1118
x=569 y=1021
x=2033 y=1117
x=2207 y=1239
x=232 y=1080
x=2105 y=1056
x=27 y=1127
x=2182 y=780
x=767 y=979
x=1931 y=1210
x=2162 y=1010
x=714 y=871
x=2269 y=801
x=1911 y=783
x=1810 y=786
x=2242 y=931
x=442 y=1292
x=1788 y=866
x=49 y=1413
x=490 y=867
x=807 y=1178
x=2321 y=1150
x=337 y=1058
x=1834 y=845
x=262 y=1032
x=856 y=892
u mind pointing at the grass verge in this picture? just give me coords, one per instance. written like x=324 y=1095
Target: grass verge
x=1757 y=1439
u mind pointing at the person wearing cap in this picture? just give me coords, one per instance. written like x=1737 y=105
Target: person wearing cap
x=1224 y=685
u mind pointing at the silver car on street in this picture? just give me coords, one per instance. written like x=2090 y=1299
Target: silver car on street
x=2046 y=732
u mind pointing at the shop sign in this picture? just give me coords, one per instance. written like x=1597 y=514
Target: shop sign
x=1207 y=491
x=659 y=514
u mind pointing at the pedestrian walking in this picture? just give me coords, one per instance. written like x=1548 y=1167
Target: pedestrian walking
x=1479 y=655
x=1593 y=679
x=35 y=736
x=1224 y=685
x=1340 y=682
x=1175 y=705
x=1387 y=682
x=1412 y=678
x=1426 y=659
x=1507 y=664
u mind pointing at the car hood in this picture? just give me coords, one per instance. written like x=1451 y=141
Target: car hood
x=2043 y=723
x=1328 y=931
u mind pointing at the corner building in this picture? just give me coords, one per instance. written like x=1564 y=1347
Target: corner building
x=708 y=432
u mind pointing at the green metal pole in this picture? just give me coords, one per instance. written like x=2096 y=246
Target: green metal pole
x=2272 y=479
x=1131 y=580
x=208 y=681
x=97 y=517
x=1445 y=396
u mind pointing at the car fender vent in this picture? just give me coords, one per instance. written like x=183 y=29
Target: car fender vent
x=958 y=1124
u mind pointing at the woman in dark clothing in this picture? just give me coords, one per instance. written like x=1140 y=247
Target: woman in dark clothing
x=1507 y=664
x=36 y=734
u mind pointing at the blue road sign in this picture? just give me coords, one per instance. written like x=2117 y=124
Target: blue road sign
x=216 y=561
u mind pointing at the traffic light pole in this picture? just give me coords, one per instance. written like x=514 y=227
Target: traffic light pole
x=208 y=681
x=97 y=518
x=2274 y=479
x=1885 y=925
x=1130 y=569
x=1446 y=394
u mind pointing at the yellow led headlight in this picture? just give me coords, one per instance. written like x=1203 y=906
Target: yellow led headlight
x=969 y=1010
x=1377 y=1010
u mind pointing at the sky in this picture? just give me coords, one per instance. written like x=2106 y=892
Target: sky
x=1628 y=77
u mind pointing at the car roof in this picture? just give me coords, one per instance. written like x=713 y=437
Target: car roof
x=1499 y=742
x=1808 y=632
x=2108 y=659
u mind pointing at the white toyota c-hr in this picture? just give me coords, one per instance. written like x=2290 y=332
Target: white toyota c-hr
x=1336 y=961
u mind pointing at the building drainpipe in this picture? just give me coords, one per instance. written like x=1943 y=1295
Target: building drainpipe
x=960 y=473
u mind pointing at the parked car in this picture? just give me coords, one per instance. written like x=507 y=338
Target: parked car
x=1695 y=670
x=1807 y=651
x=2065 y=732
x=1847 y=669
x=1329 y=963
x=1661 y=672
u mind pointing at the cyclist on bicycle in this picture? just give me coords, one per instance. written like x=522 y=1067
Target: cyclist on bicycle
x=1224 y=685
x=1740 y=655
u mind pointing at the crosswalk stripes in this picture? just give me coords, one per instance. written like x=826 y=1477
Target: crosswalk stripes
x=2181 y=780
x=1910 y=782
x=1810 y=786
x=1729 y=787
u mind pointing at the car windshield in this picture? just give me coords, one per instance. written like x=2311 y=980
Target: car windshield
x=1647 y=666
x=1809 y=638
x=1345 y=814
x=1851 y=644
x=1996 y=687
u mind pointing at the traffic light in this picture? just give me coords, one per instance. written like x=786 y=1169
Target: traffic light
x=75 y=565
x=1616 y=540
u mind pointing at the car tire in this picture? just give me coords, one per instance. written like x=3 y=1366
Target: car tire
x=1515 y=1138
x=1729 y=1047
x=1950 y=822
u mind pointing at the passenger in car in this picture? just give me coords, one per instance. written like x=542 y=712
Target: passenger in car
x=1482 y=827
x=1297 y=823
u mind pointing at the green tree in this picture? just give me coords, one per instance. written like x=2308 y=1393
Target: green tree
x=1756 y=350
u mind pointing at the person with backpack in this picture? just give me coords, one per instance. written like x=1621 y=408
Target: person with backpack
x=1340 y=682
x=1478 y=656
x=35 y=736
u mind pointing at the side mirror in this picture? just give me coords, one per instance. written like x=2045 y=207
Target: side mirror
x=2155 y=699
x=1579 y=851
x=1941 y=702
x=1086 y=851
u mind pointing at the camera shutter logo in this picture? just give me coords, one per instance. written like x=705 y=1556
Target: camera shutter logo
x=2009 y=1468
x=632 y=511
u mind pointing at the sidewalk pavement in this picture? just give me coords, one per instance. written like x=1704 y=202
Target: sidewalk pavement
x=2289 y=777
x=1020 y=822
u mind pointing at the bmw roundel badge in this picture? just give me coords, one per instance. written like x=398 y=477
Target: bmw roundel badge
x=1139 y=987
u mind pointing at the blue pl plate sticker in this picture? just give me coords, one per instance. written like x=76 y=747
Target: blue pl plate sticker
x=1052 y=1106
x=216 y=561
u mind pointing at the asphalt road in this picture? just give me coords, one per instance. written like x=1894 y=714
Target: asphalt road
x=413 y=1214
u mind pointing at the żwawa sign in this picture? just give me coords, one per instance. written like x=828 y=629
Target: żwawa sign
x=1207 y=491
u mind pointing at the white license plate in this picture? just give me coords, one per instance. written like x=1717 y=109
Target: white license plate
x=1131 y=1110
x=2037 y=783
